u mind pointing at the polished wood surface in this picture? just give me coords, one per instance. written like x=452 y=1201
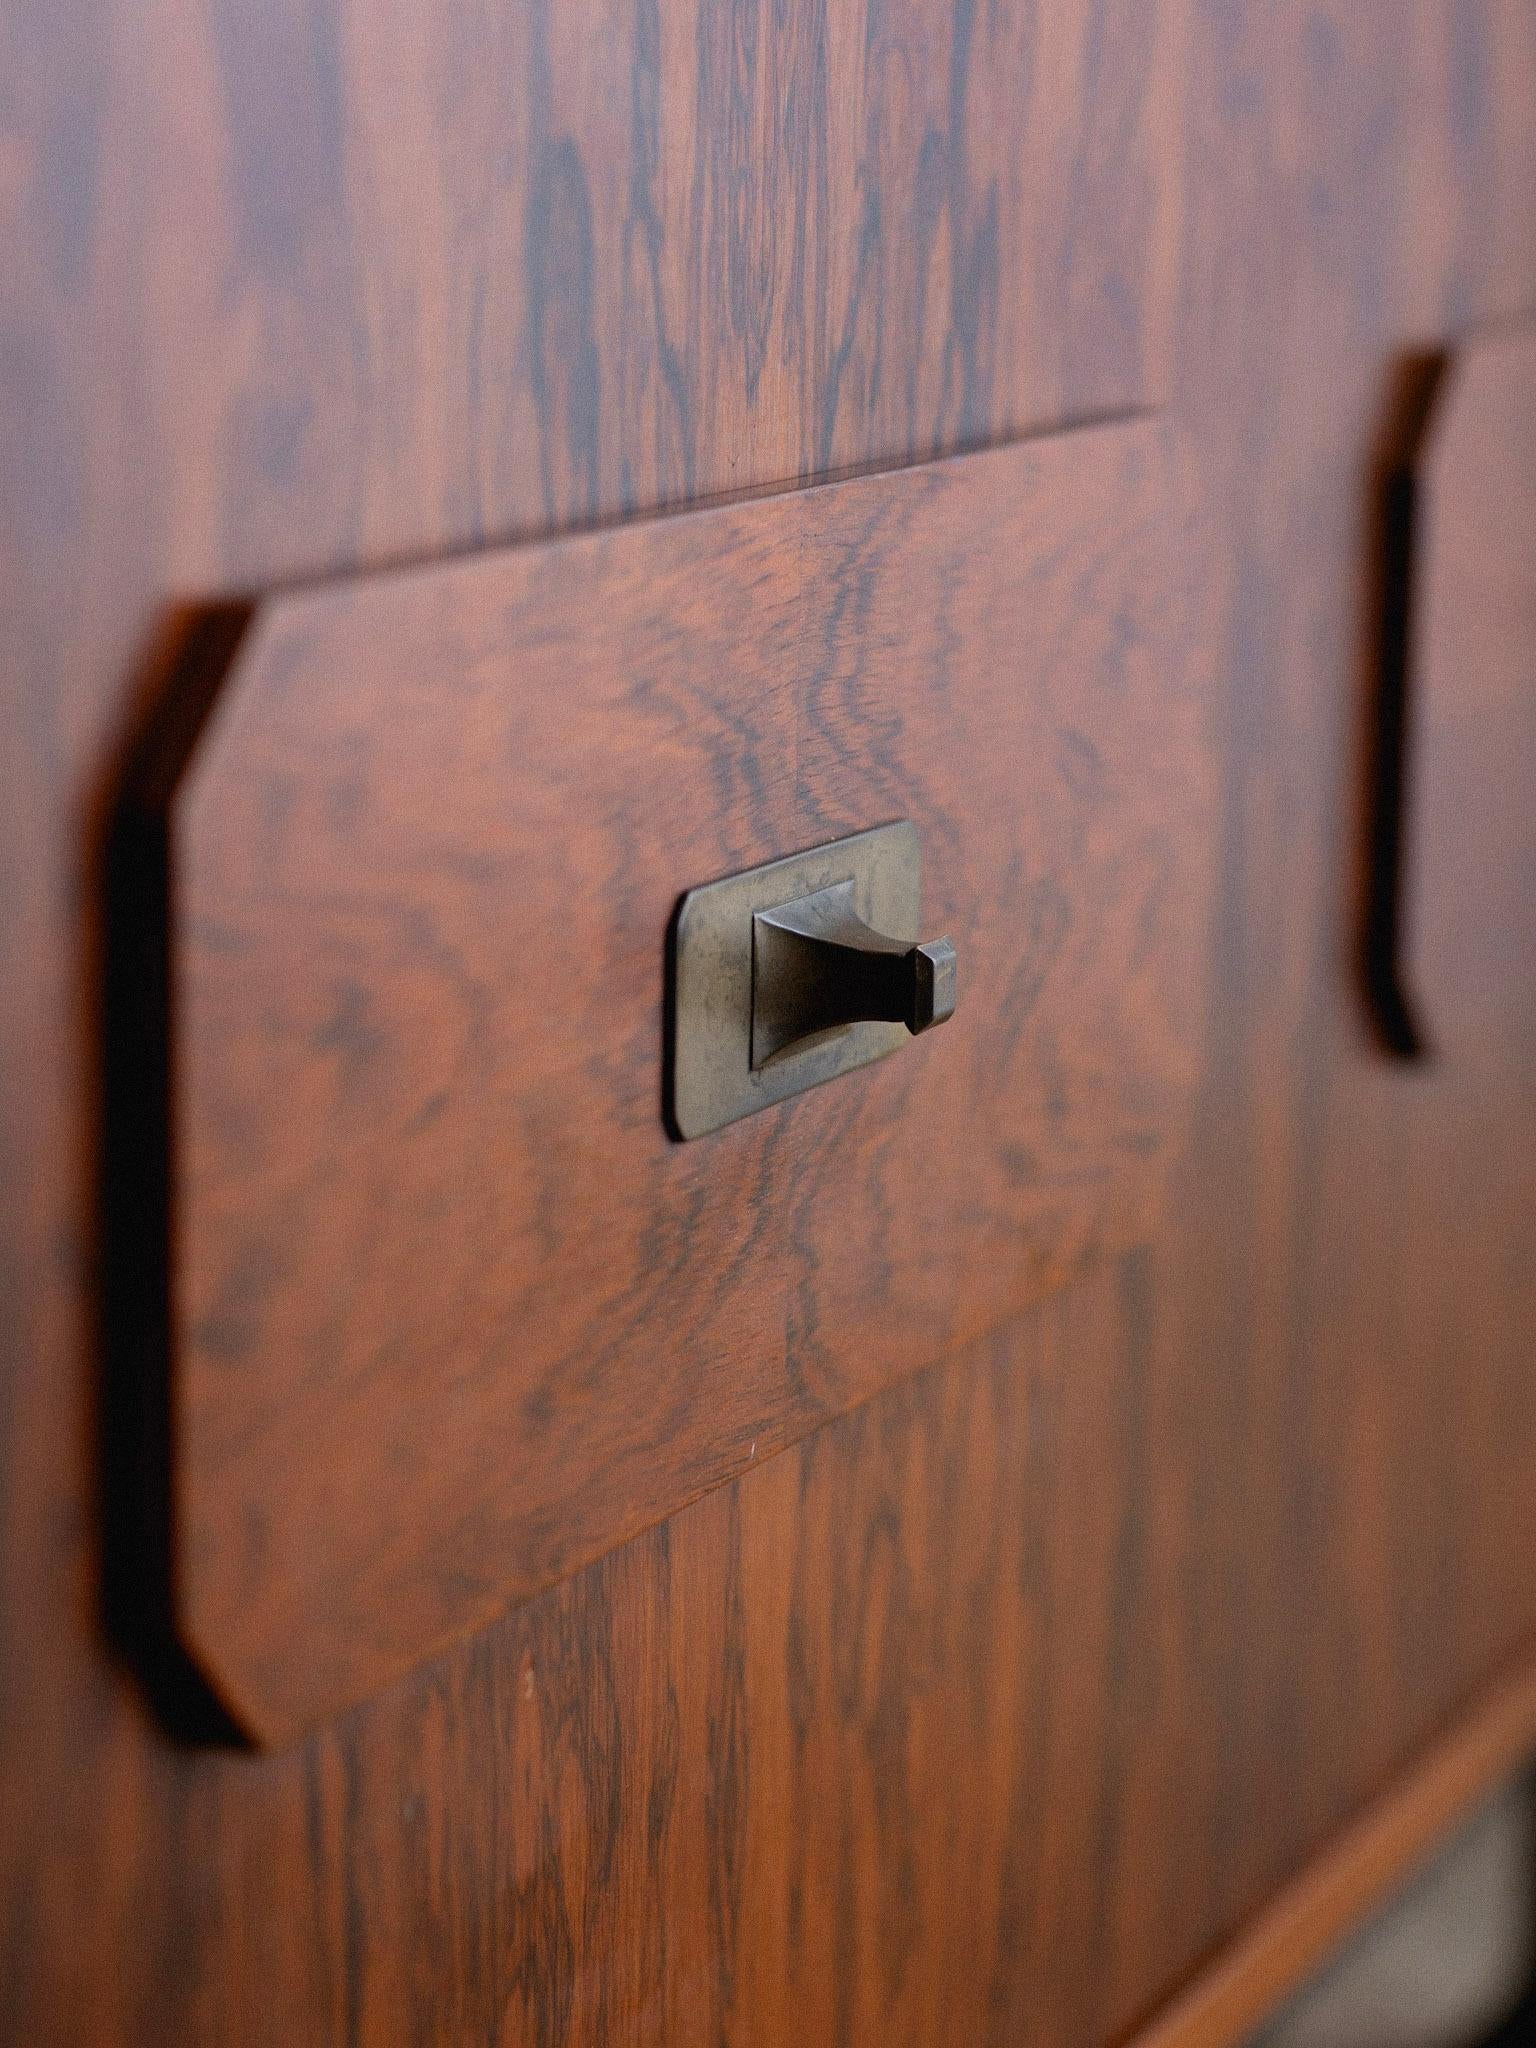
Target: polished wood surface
x=1470 y=895
x=988 y=1710
x=1484 y=1742
x=454 y=1313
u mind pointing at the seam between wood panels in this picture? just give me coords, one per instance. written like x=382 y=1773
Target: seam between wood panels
x=539 y=535
x=1372 y=1855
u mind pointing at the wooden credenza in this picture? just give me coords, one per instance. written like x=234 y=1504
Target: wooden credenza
x=1023 y=1543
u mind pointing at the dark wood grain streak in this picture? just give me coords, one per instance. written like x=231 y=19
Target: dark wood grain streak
x=989 y=1757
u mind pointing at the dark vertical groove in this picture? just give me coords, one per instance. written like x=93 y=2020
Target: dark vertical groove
x=1396 y=492
x=135 y=1193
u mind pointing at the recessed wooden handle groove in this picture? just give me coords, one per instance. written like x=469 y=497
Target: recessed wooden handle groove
x=1394 y=1015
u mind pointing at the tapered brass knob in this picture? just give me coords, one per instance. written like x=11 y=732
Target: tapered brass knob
x=785 y=976
x=817 y=966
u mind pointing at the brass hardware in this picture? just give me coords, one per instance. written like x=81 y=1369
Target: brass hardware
x=817 y=965
x=793 y=973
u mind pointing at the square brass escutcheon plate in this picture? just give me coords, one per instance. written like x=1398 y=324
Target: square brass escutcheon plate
x=710 y=1077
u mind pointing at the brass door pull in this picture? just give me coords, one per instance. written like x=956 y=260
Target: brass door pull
x=796 y=972
x=816 y=965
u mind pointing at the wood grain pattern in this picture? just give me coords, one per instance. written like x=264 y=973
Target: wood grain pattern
x=1471 y=940
x=455 y=1314
x=1486 y=1741
x=988 y=1711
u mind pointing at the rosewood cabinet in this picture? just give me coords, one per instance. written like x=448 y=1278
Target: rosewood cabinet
x=1025 y=1541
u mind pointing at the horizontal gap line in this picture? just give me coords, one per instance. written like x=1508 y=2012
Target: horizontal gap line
x=677 y=508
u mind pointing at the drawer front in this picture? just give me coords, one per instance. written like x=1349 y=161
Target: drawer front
x=452 y=1312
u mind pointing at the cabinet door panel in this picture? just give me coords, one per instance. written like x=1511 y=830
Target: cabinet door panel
x=453 y=1311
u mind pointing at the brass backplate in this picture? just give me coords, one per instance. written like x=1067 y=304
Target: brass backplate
x=710 y=1080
